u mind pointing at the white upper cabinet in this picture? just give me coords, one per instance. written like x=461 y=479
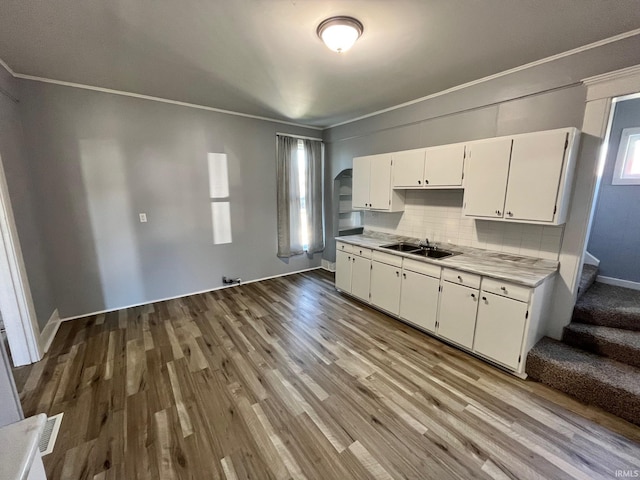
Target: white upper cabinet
x=444 y=165
x=361 y=179
x=537 y=162
x=486 y=173
x=372 y=184
x=523 y=178
x=408 y=168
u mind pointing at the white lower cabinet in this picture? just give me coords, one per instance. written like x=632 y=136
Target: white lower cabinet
x=385 y=286
x=457 y=315
x=500 y=328
x=360 y=277
x=343 y=271
x=419 y=299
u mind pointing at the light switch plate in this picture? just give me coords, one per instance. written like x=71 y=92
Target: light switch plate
x=143 y=218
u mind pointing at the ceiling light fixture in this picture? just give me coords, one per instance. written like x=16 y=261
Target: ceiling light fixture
x=340 y=33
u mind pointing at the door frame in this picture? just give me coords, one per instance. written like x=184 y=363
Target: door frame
x=602 y=91
x=16 y=302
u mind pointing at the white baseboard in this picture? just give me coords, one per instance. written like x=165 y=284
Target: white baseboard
x=591 y=260
x=618 y=282
x=49 y=331
x=66 y=319
x=327 y=265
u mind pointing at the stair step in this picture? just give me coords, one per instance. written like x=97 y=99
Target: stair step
x=615 y=343
x=610 y=385
x=609 y=306
x=589 y=275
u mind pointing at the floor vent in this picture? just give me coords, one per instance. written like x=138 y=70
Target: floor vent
x=49 y=434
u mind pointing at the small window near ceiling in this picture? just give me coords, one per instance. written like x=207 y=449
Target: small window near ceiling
x=627 y=171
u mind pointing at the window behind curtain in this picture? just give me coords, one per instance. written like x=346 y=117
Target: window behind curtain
x=300 y=200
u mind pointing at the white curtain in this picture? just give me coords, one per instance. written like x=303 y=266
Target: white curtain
x=300 y=206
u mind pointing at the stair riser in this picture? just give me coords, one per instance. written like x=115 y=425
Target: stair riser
x=589 y=275
x=586 y=388
x=607 y=319
x=615 y=351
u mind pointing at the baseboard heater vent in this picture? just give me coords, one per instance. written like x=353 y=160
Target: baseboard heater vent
x=49 y=434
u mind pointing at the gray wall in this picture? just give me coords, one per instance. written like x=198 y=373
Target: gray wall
x=615 y=233
x=99 y=159
x=538 y=98
x=24 y=203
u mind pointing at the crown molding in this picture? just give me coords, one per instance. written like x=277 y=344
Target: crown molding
x=613 y=84
x=7 y=68
x=568 y=53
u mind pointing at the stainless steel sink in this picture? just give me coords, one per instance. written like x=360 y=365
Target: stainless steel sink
x=433 y=253
x=402 y=247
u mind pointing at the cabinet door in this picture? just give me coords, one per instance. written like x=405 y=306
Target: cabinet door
x=500 y=328
x=385 y=287
x=360 y=277
x=485 y=183
x=408 y=168
x=361 y=179
x=443 y=166
x=457 y=314
x=419 y=299
x=534 y=176
x=380 y=182
x=343 y=271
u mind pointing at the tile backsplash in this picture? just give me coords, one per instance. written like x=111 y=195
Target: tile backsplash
x=437 y=215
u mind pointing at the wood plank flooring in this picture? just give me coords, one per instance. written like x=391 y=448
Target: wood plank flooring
x=286 y=378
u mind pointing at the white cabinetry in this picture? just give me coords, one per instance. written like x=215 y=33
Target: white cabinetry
x=353 y=269
x=372 y=184
x=419 y=295
x=408 y=168
x=524 y=178
x=457 y=314
x=500 y=328
x=386 y=282
x=536 y=176
x=435 y=167
x=444 y=165
x=485 y=182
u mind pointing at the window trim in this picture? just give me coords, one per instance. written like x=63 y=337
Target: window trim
x=623 y=149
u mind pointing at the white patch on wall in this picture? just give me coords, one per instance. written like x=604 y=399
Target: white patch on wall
x=219 y=197
x=221 y=218
x=437 y=215
x=218 y=175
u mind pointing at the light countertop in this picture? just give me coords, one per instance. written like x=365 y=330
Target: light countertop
x=527 y=271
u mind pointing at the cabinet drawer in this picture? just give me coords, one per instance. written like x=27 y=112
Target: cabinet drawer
x=421 y=267
x=506 y=289
x=361 y=251
x=344 y=247
x=394 y=260
x=461 y=278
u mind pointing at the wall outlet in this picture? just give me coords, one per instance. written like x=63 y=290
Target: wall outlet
x=143 y=218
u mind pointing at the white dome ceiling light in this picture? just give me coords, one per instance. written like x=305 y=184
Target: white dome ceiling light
x=340 y=33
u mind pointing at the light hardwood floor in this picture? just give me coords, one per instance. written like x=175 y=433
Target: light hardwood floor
x=286 y=378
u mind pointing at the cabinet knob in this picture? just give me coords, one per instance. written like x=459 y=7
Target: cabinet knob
x=473 y=295
x=419 y=182
x=459 y=278
x=354 y=260
x=498 y=212
x=397 y=274
x=404 y=275
x=510 y=214
x=484 y=298
x=426 y=182
x=349 y=258
x=504 y=289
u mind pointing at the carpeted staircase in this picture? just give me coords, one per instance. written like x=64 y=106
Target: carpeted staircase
x=598 y=360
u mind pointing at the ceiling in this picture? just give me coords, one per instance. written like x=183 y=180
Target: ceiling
x=263 y=57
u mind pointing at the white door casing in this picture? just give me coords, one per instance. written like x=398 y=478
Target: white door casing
x=16 y=303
